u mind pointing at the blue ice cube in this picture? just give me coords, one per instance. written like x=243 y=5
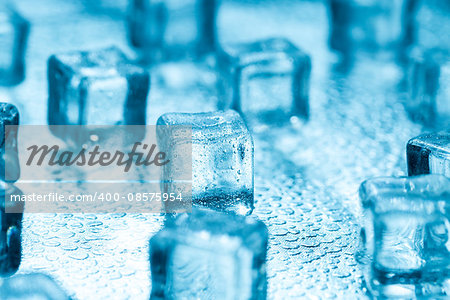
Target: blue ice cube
x=266 y=80
x=31 y=286
x=433 y=24
x=9 y=115
x=371 y=24
x=13 y=38
x=429 y=154
x=406 y=236
x=173 y=29
x=222 y=158
x=96 y=88
x=429 y=87
x=11 y=227
x=209 y=255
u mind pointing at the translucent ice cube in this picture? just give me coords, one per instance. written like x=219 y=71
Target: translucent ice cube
x=209 y=255
x=9 y=163
x=222 y=158
x=406 y=234
x=433 y=24
x=13 y=37
x=429 y=154
x=371 y=24
x=96 y=88
x=266 y=80
x=31 y=286
x=11 y=227
x=173 y=29
x=429 y=87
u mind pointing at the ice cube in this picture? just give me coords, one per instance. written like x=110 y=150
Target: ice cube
x=429 y=154
x=222 y=158
x=13 y=38
x=266 y=80
x=433 y=24
x=406 y=234
x=9 y=161
x=429 y=87
x=96 y=88
x=209 y=255
x=11 y=227
x=173 y=29
x=31 y=286
x=371 y=24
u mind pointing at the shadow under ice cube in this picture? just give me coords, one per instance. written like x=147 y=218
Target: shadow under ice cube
x=209 y=255
x=429 y=154
x=173 y=29
x=96 y=88
x=266 y=80
x=222 y=158
x=14 y=31
x=406 y=236
x=429 y=88
x=31 y=286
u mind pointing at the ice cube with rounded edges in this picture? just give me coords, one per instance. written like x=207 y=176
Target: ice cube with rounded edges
x=14 y=31
x=209 y=255
x=406 y=235
x=266 y=80
x=173 y=29
x=100 y=87
x=31 y=286
x=11 y=213
x=371 y=24
x=222 y=158
x=429 y=87
x=429 y=154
